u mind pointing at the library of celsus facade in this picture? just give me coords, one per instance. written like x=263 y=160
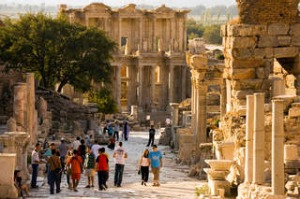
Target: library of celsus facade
x=150 y=66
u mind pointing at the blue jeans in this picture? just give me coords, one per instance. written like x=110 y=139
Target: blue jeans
x=119 y=173
x=35 y=168
x=54 y=178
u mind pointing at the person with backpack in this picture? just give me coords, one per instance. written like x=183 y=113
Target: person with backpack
x=75 y=164
x=55 y=171
x=102 y=169
x=89 y=166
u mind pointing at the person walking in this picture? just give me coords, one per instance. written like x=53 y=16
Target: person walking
x=156 y=163
x=63 y=149
x=75 y=163
x=120 y=155
x=95 y=148
x=116 y=130
x=82 y=152
x=89 y=165
x=125 y=131
x=35 y=161
x=102 y=169
x=144 y=164
x=151 y=136
x=76 y=143
x=55 y=171
x=68 y=169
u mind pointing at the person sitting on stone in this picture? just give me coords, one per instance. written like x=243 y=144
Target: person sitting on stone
x=21 y=186
x=111 y=143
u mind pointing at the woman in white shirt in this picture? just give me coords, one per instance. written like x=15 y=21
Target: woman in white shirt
x=144 y=164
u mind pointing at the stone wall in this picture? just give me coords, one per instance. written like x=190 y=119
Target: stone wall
x=266 y=11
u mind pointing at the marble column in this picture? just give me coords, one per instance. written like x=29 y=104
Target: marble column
x=277 y=147
x=141 y=34
x=174 y=113
x=20 y=106
x=30 y=106
x=141 y=85
x=7 y=187
x=154 y=42
x=171 y=84
x=259 y=139
x=249 y=139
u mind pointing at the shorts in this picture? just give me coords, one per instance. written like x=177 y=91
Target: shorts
x=90 y=172
x=75 y=176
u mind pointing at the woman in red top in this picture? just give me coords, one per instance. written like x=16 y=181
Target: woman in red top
x=102 y=168
x=75 y=163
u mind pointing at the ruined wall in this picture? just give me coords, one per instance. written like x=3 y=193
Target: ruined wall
x=266 y=11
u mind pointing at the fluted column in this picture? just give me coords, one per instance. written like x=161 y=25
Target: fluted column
x=277 y=148
x=154 y=42
x=249 y=139
x=259 y=139
x=120 y=33
x=30 y=106
x=20 y=106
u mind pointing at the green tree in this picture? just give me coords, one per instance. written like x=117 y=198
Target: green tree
x=104 y=100
x=212 y=34
x=56 y=51
x=194 y=29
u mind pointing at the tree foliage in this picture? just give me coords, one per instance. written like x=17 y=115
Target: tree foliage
x=104 y=100
x=57 y=51
x=193 y=29
x=212 y=34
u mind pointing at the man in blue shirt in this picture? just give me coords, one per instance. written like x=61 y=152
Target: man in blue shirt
x=156 y=162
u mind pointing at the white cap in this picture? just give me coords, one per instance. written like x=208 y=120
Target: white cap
x=62 y=139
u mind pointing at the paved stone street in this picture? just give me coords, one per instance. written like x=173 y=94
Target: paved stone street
x=174 y=180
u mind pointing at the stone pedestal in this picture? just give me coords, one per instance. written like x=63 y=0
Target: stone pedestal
x=17 y=142
x=134 y=111
x=277 y=148
x=7 y=187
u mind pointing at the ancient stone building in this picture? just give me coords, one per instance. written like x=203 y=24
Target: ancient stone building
x=265 y=35
x=149 y=67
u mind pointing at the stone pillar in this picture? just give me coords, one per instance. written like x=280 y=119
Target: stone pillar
x=7 y=187
x=183 y=91
x=120 y=33
x=171 y=84
x=134 y=111
x=174 y=113
x=20 y=106
x=249 y=139
x=154 y=49
x=201 y=92
x=277 y=87
x=152 y=87
x=141 y=85
x=141 y=34
x=277 y=148
x=259 y=139
x=11 y=125
x=223 y=99
x=118 y=87
x=30 y=106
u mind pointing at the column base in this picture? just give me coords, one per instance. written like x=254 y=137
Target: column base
x=8 y=191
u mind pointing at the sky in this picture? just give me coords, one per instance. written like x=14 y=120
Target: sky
x=118 y=3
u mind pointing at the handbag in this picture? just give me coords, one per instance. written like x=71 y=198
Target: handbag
x=139 y=172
